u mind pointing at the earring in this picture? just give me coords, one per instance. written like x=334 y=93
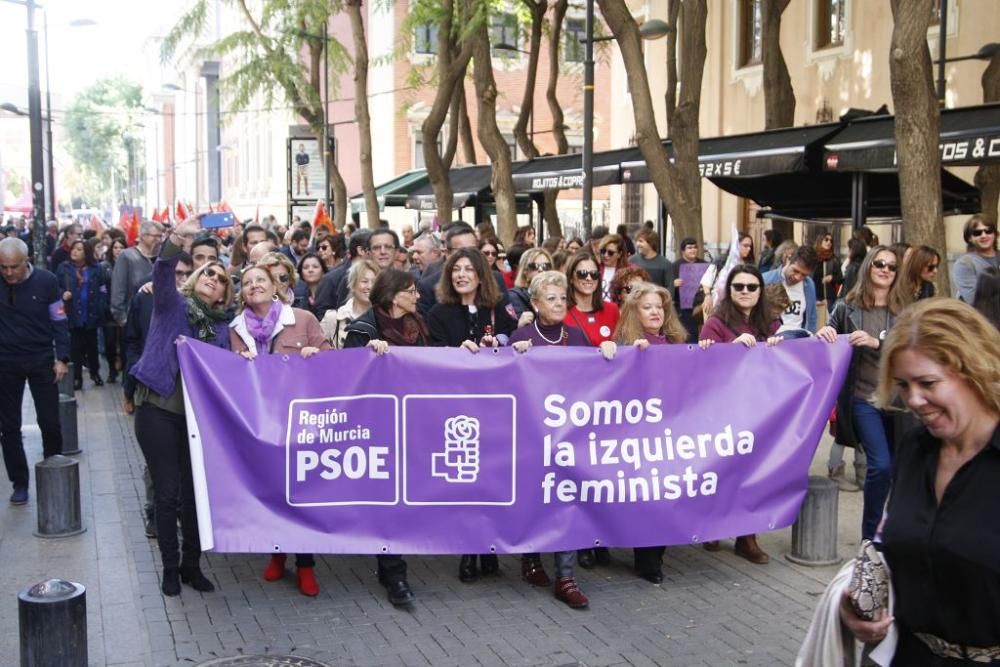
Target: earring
x=274 y=297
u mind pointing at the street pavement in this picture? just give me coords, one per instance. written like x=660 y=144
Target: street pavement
x=712 y=608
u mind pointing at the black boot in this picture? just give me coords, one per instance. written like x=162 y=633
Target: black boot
x=602 y=555
x=585 y=558
x=489 y=564
x=96 y=379
x=192 y=575
x=467 y=571
x=171 y=585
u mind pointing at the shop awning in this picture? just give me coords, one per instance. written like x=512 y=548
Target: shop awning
x=788 y=150
x=828 y=195
x=969 y=136
x=470 y=186
x=393 y=192
x=565 y=172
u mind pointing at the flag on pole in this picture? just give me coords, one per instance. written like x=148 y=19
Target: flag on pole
x=165 y=216
x=321 y=218
x=156 y=215
x=732 y=259
x=132 y=235
x=181 y=212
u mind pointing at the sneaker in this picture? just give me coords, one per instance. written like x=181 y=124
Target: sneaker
x=19 y=497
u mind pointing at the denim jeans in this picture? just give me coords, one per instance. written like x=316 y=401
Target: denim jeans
x=874 y=429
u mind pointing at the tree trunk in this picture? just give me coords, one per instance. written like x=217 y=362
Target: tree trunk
x=361 y=110
x=988 y=175
x=451 y=71
x=917 y=127
x=537 y=9
x=454 y=109
x=489 y=134
x=677 y=184
x=553 y=226
x=465 y=127
x=779 y=97
x=555 y=108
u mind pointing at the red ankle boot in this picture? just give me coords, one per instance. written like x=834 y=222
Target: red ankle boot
x=567 y=591
x=307 y=581
x=275 y=569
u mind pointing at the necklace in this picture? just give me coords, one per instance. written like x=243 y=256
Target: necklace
x=557 y=341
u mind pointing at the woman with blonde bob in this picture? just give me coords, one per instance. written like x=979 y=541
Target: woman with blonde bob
x=940 y=534
x=533 y=262
x=283 y=272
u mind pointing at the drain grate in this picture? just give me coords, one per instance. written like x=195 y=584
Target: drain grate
x=263 y=661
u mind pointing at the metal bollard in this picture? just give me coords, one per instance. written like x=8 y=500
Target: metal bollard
x=66 y=384
x=57 y=491
x=814 y=533
x=67 y=423
x=52 y=619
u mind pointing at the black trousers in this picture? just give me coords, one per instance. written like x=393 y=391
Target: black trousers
x=41 y=381
x=83 y=343
x=648 y=559
x=114 y=348
x=162 y=437
x=391 y=568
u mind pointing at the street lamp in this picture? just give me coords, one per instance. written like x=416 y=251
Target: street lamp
x=985 y=52
x=652 y=29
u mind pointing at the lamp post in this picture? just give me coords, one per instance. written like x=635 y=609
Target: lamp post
x=652 y=29
x=985 y=52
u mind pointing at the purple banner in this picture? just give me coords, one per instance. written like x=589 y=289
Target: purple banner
x=691 y=273
x=427 y=451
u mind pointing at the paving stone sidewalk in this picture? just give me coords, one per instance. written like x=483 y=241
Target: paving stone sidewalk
x=712 y=608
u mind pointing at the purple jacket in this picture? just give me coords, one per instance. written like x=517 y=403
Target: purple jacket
x=157 y=367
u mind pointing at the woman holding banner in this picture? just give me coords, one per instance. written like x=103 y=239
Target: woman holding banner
x=265 y=324
x=866 y=315
x=648 y=318
x=469 y=314
x=197 y=310
x=392 y=320
x=743 y=317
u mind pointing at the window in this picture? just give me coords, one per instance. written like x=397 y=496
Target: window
x=830 y=23
x=573 y=50
x=503 y=30
x=936 y=12
x=632 y=203
x=418 y=151
x=750 y=44
x=425 y=38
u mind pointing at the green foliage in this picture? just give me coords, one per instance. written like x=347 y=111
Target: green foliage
x=101 y=129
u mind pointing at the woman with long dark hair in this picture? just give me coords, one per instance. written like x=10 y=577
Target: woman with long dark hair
x=85 y=293
x=828 y=274
x=611 y=254
x=588 y=310
x=743 y=317
x=114 y=339
x=311 y=270
x=916 y=280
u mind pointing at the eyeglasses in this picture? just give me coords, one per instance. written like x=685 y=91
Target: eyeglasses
x=745 y=287
x=583 y=275
x=979 y=231
x=608 y=252
x=213 y=273
x=884 y=265
x=412 y=291
x=538 y=266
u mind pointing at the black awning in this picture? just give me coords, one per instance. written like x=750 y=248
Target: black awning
x=827 y=195
x=969 y=136
x=467 y=183
x=787 y=150
x=565 y=172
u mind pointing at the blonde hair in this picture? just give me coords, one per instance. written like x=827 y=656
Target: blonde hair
x=530 y=255
x=630 y=330
x=949 y=333
x=273 y=259
x=187 y=289
x=241 y=304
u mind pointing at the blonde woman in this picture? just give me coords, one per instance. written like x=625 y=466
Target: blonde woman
x=360 y=280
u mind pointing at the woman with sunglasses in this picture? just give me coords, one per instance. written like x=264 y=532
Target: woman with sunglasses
x=625 y=280
x=865 y=316
x=611 y=253
x=266 y=324
x=744 y=317
x=828 y=274
x=392 y=320
x=493 y=252
x=197 y=310
x=916 y=281
x=283 y=271
x=648 y=318
x=981 y=242
x=533 y=262
x=327 y=249
x=588 y=310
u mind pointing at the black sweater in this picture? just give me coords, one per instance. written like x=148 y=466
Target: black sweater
x=32 y=320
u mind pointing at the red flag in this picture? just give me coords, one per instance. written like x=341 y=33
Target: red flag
x=156 y=216
x=96 y=224
x=321 y=218
x=165 y=216
x=123 y=219
x=181 y=212
x=132 y=235
x=223 y=207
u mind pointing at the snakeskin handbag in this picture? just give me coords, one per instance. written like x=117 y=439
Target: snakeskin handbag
x=868 y=589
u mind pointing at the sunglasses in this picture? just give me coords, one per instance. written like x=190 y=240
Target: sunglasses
x=745 y=287
x=489 y=253
x=976 y=233
x=884 y=265
x=583 y=275
x=213 y=273
x=538 y=266
x=608 y=252
x=283 y=278
x=933 y=267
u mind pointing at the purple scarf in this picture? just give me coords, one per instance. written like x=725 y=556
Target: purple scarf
x=261 y=328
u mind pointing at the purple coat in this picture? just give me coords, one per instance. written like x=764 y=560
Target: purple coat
x=157 y=367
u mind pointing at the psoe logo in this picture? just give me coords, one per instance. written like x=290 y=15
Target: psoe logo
x=459 y=462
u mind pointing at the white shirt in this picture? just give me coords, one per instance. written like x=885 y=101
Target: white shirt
x=794 y=316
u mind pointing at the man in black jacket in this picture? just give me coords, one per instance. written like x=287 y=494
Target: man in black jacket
x=34 y=348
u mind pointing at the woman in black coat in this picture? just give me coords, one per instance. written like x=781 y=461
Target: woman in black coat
x=85 y=292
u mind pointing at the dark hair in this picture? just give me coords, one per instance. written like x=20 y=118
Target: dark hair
x=621 y=280
x=388 y=284
x=204 y=239
x=773 y=237
x=824 y=254
x=514 y=254
x=185 y=258
x=911 y=271
x=358 y=242
x=309 y=255
x=866 y=235
x=456 y=229
x=856 y=250
x=650 y=237
x=552 y=243
x=971 y=223
x=805 y=255
x=739 y=239
x=597 y=299
x=486 y=230
x=382 y=231
x=88 y=251
x=900 y=250
x=987 y=299
x=521 y=234
x=487 y=293
x=247 y=231
x=686 y=241
x=300 y=234
x=598 y=233
x=759 y=319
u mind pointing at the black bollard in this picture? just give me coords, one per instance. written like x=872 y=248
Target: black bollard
x=57 y=492
x=67 y=423
x=66 y=384
x=814 y=533
x=52 y=619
